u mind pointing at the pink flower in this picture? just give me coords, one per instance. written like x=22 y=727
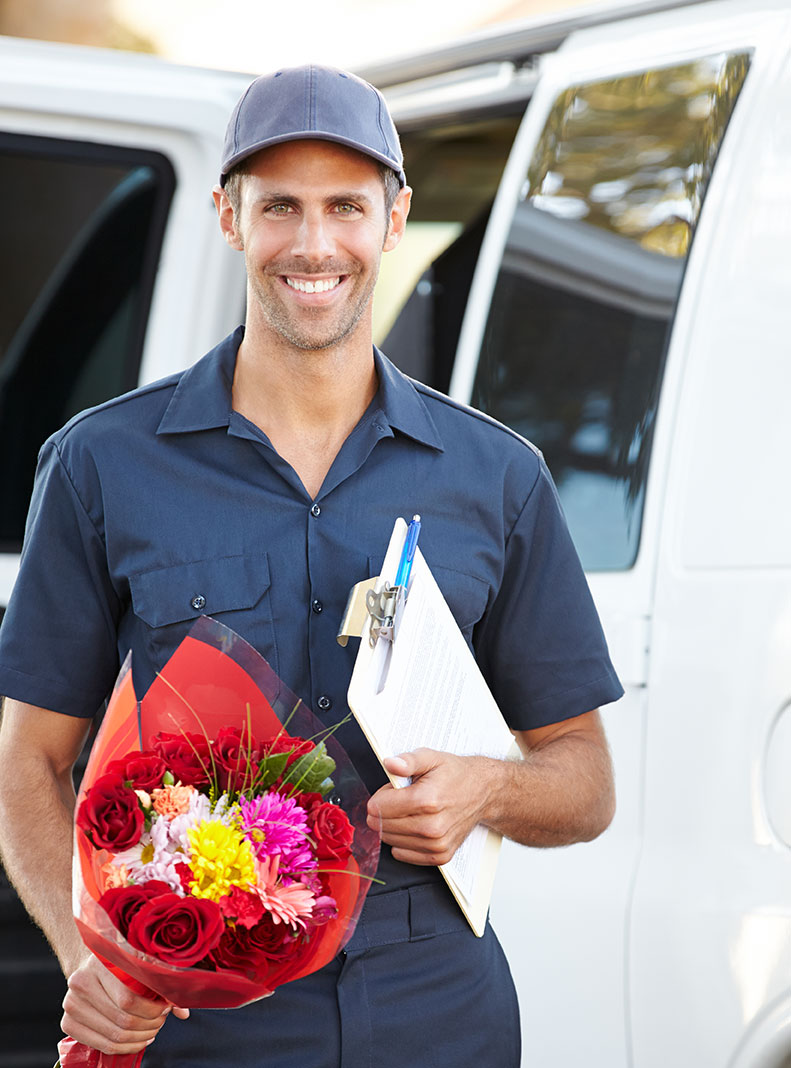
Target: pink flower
x=273 y=824
x=286 y=904
x=325 y=909
x=298 y=863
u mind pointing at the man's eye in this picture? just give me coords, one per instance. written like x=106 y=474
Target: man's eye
x=279 y=209
x=346 y=209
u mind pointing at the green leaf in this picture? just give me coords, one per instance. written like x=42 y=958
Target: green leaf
x=270 y=768
x=309 y=772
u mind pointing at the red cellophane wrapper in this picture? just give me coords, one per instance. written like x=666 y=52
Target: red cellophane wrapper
x=213 y=680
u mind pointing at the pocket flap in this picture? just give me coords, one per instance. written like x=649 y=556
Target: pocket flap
x=467 y=595
x=200 y=588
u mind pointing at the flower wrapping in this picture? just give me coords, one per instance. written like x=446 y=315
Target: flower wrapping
x=221 y=847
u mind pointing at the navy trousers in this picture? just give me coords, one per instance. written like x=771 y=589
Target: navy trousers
x=413 y=986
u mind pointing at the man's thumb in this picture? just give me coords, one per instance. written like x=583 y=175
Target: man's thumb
x=401 y=765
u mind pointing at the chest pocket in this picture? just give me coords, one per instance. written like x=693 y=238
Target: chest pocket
x=233 y=589
x=466 y=595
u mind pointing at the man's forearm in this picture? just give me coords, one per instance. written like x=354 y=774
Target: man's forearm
x=561 y=792
x=557 y=795
x=36 y=813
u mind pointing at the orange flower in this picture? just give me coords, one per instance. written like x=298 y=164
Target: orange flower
x=114 y=875
x=172 y=801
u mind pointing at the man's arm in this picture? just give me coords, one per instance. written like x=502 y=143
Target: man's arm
x=38 y=749
x=562 y=791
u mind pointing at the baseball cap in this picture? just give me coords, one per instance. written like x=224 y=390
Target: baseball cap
x=312 y=102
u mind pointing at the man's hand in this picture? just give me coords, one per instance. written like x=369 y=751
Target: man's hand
x=426 y=822
x=561 y=792
x=102 y=1012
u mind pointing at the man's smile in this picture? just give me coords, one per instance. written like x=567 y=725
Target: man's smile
x=320 y=285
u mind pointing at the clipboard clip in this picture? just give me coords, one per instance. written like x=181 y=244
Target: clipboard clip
x=366 y=602
x=382 y=610
x=380 y=605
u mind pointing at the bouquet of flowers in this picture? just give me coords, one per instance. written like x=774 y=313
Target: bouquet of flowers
x=221 y=843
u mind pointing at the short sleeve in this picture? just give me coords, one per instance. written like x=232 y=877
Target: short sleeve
x=541 y=646
x=57 y=640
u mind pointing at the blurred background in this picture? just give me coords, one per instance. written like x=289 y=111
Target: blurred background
x=252 y=36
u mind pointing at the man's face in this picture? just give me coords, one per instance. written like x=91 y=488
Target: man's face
x=312 y=225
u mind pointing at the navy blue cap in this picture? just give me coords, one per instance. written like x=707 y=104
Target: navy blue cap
x=322 y=103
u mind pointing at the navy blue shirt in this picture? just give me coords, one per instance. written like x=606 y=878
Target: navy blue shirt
x=165 y=504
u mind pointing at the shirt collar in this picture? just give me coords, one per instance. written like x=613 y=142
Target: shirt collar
x=202 y=397
x=402 y=405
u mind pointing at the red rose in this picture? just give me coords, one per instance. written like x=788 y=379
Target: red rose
x=332 y=832
x=296 y=747
x=176 y=930
x=110 y=814
x=243 y=907
x=143 y=770
x=235 y=758
x=310 y=802
x=243 y=949
x=186 y=755
x=122 y=902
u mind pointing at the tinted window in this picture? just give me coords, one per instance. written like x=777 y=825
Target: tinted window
x=581 y=315
x=455 y=169
x=81 y=239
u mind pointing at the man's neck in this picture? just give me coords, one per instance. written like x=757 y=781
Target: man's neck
x=307 y=402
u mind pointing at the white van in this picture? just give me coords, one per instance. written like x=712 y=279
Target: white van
x=608 y=271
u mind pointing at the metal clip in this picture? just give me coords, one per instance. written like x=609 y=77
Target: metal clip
x=356 y=612
x=382 y=609
x=365 y=602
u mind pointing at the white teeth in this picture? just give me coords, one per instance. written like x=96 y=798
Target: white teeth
x=320 y=286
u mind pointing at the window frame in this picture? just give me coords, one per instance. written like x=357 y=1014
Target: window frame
x=87 y=153
x=563 y=75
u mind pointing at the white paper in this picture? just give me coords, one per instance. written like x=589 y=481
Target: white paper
x=425 y=689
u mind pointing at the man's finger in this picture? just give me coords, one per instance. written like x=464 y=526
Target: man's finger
x=118 y=1033
x=398 y=765
x=412 y=764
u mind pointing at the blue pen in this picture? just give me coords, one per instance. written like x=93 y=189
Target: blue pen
x=408 y=552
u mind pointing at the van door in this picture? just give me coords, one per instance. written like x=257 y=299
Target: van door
x=572 y=337
x=113 y=269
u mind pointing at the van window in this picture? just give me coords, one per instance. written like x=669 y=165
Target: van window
x=580 y=320
x=455 y=169
x=81 y=239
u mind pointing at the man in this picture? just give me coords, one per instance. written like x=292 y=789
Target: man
x=257 y=487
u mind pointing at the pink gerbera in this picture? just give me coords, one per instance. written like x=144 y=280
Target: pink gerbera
x=291 y=904
x=273 y=824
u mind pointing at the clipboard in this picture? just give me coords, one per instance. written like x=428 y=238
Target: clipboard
x=418 y=684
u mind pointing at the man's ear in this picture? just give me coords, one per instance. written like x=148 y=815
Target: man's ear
x=227 y=218
x=398 y=217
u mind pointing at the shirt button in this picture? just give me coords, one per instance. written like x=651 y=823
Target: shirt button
x=315 y=511
x=317 y=606
x=324 y=703
x=198 y=602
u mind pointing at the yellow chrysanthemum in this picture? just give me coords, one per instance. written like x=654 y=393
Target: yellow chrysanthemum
x=221 y=858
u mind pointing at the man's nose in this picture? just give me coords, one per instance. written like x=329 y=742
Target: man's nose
x=313 y=239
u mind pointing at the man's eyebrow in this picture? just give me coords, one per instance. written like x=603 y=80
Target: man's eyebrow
x=352 y=195
x=274 y=197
